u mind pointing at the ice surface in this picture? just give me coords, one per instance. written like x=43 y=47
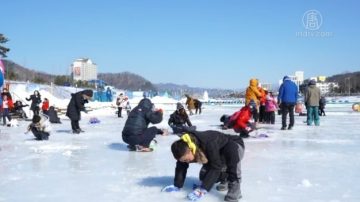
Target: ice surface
x=306 y=164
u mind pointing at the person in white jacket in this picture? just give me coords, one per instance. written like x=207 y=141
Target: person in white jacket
x=40 y=127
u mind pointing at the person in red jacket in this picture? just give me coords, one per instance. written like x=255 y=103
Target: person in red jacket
x=45 y=106
x=240 y=121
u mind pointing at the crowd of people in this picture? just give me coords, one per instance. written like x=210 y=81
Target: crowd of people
x=219 y=152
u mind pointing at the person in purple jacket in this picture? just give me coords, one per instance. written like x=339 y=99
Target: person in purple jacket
x=287 y=98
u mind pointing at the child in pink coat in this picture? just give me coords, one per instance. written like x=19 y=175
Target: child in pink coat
x=270 y=108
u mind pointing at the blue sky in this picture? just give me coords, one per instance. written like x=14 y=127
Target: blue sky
x=201 y=43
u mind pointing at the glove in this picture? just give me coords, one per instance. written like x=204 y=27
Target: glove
x=170 y=188
x=196 y=194
x=248 y=129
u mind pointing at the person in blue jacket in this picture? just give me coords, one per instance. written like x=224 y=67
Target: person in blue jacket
x=288 y=94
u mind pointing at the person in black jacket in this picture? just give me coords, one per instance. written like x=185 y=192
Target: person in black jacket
x=179 y=119
x=221 y=157
x=35 y=101
x=76 y=105
x=322 y=104
x=197 y=104
x=18 y=108
x=53 y=116
x=136 y=132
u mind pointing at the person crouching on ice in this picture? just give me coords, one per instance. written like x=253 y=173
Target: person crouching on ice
x=179 y=120
x=40 y=127
x=240 y=121
x=221 y=157
x=136 y=132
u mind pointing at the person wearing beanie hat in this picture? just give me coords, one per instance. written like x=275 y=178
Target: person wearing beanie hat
x=312 y=100
x=287 y=98
x=75 y=106
x=40 y=127
x=179 y=120
x=221 y=156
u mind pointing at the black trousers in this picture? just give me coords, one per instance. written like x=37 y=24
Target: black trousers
x=75 y=125
x=270 y=117
x=198 y=107
x=6 y=114
x=39 y=135
x=143 y=139
x=287 y=108
x=262 y=113
x=119 y=111
x=231 y=154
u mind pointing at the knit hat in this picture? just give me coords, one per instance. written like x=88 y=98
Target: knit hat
x=179 y=106
x=312 y=82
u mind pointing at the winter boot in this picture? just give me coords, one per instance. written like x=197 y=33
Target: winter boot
x=234 y=193
x=223 y=186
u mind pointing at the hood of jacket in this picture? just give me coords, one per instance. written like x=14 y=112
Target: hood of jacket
x=146 y=104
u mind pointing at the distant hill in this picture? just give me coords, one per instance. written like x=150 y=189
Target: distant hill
x=347 y=80
x=124 y=80
x=127 y=80
x=19 y=73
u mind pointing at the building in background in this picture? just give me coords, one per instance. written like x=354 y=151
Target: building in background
x=298 y=78
x=84 y=69
x=325 y=87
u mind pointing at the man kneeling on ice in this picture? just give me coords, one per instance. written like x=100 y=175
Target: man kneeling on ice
x=40 y=127
x=221 y=157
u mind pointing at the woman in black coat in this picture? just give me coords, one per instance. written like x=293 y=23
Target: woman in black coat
x=179 y=120
x=136 y=132
x=77 y=104
x=35 y=102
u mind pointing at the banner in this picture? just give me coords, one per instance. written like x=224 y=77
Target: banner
x=2 y=67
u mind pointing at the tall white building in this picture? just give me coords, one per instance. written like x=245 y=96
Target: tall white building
x=84 y=69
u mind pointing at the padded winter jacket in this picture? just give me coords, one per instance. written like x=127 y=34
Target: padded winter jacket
x=312 y=96
x=140 y=117
x=179 y=119
x=253 y=93
x=35 y=101
x=76 y=104
x=288 y=92
x=212 y=143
